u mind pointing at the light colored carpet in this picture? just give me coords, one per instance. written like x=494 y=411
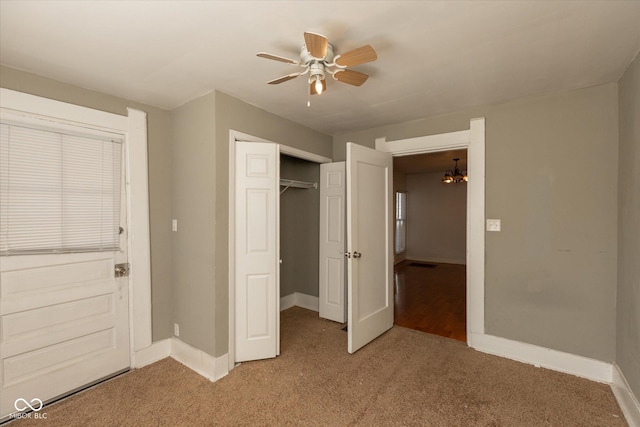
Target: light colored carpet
x=405 y=377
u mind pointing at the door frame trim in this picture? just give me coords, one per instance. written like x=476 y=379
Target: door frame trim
x=235 y=136
x=473 y=140
x=134 y=128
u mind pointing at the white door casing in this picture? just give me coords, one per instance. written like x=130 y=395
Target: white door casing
x=473 y=140
x=257 y=290
x=332 y=291
x=369 y=244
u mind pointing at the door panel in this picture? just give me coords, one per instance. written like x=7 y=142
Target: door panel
x=256 y=252
x=63 y=333
x=370 y=244
x=332 y=242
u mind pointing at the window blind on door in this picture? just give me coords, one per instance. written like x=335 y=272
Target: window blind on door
x=59 y=191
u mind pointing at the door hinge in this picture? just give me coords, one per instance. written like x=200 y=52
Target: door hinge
x=122 y=270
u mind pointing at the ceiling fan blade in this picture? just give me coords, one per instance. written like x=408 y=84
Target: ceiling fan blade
x=284 y=78
x=351 y=77
x=357 y=56
x=277 y=58
x=312 y=87
x=316 y=45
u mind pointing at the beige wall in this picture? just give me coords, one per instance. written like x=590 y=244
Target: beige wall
x=551 y=271
x=437 y=219
x=628 y=313
x=159 y=153
x=234 y=114
x=193 y=205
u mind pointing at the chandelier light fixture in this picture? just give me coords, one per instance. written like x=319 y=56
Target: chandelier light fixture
x=456 y=175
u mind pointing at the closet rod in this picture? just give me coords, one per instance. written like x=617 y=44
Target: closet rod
x=292 y=183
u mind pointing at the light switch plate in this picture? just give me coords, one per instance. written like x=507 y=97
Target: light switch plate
x=174 y=225
x=493 y=225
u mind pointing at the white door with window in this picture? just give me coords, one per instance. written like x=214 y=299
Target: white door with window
x=64 y=313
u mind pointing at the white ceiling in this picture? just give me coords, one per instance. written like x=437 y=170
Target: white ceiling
x=433 y=56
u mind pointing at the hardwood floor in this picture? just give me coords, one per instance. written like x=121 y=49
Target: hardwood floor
x=431 y=300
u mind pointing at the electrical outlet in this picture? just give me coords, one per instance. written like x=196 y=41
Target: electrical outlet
x=176 y=329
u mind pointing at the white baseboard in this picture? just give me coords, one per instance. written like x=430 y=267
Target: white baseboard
x=203 y=363
x=206 y=365
x=436 y=260
x=626 y=399
x=300 y=300
x=580 y=366
x=287 y=301
x=155 y=352
x=222 y=366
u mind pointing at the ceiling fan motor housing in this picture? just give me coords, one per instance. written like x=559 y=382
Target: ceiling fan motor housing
x=306 y=58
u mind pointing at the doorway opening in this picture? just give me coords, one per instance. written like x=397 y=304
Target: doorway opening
x=473 y=140
x=254 y=244
x=430 y=267
x=299 y=232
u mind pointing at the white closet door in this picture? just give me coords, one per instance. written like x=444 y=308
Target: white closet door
x=257 y=247
x=332 y=242
x=370 y=243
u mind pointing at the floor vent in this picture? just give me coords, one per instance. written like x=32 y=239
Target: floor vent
x=423 y=265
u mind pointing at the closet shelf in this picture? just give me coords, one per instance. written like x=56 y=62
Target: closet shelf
x=292 y=183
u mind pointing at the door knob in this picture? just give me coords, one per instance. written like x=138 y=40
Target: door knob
x=357 y=254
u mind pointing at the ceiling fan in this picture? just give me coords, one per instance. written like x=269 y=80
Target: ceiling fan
x=318 y=59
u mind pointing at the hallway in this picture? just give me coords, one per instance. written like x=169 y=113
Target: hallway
x=431 y=298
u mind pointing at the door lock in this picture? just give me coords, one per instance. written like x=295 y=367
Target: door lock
x=122 y=270
x=347 y=254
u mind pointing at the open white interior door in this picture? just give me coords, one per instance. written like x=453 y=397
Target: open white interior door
x=332 y=301
x=369 y=244
x=257 y=247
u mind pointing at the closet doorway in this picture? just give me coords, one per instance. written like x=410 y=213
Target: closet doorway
x=254 y=245
x=299 y=232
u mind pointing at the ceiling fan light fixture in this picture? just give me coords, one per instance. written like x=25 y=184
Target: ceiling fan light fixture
x=318 y=85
